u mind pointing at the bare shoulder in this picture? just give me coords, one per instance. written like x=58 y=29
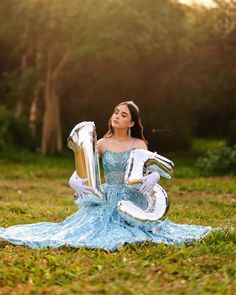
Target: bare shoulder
x=140 y=144
x=101 y=143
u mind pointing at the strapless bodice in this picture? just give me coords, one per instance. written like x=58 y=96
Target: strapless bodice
x=114 y=165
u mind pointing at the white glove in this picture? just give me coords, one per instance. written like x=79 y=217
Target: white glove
x=149 y=181
x=78 y=185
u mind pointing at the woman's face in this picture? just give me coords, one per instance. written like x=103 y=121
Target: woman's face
x=121 y=117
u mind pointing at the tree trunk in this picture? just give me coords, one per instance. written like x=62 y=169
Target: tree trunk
x=52 y=138
x=34 y=109
x=24 y=65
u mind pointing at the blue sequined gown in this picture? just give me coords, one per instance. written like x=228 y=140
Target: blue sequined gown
x=101 y=226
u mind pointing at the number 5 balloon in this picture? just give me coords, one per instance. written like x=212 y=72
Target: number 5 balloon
x=158 y=203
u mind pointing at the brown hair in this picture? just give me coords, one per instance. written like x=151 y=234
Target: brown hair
x=137 y=129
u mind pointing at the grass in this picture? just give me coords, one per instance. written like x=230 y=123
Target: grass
x=35 y=189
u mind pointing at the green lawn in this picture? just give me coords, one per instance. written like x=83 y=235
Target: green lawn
x=35 y=189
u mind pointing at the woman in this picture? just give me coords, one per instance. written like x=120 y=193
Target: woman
x=101 y=226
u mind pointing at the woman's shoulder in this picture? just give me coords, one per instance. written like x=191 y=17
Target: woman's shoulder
x=140 y=144
x=102 y=141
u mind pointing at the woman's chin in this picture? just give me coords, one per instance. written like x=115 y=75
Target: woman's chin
x=115 y=125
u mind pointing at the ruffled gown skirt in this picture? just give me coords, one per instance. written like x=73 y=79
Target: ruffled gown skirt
x=102 y=226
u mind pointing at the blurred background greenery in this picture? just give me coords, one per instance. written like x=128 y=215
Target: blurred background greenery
x=62 y=62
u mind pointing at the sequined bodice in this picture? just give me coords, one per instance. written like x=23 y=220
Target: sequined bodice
x=114 y=164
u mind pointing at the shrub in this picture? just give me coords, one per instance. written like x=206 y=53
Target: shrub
x=218 y=162
x=14 y=132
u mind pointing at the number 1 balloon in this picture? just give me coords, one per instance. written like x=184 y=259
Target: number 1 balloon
x=83 y=141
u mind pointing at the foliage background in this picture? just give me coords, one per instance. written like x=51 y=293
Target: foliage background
x=65 y=62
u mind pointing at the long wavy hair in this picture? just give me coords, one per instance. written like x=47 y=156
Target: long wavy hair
x=137 y=129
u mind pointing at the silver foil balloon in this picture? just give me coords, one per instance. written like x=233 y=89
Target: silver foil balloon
x=83 y=141
x=140 y=160
x=158 y=204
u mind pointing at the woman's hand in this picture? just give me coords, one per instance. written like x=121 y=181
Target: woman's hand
x=78 y=185
x=149 y=181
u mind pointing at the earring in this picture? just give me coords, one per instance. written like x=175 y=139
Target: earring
x=129 y=132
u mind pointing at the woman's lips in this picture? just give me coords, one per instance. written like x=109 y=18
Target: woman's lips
x=115 y=121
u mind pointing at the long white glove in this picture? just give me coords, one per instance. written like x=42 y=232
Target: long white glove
x=78 y=185
x=149 y=182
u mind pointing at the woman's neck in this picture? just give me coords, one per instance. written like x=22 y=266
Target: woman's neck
x=121 y=135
